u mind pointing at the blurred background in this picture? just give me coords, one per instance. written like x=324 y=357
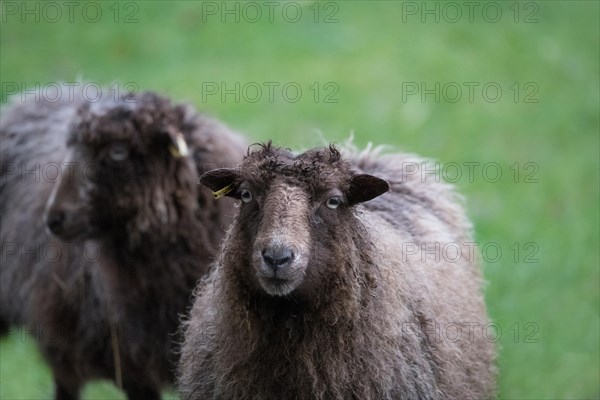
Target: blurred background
x=505 y=95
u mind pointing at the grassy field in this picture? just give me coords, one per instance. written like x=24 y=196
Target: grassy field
x=508 y=88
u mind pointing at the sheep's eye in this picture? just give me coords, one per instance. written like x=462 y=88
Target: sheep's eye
x=246 y=195
x=333 y=202
x=118 y=152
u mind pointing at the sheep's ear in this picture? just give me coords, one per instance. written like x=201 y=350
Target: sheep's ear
x=221 y=181
x=365 y=187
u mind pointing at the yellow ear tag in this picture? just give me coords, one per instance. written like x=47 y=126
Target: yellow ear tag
x=222 y=192
x=179 y=148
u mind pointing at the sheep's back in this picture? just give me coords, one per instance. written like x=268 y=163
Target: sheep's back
x=32 y=148
x=431 y=272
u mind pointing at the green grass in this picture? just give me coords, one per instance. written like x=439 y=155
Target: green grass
x=369 y=54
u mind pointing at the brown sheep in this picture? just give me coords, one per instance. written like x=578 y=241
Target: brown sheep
x=314 y=297
x=136 y=230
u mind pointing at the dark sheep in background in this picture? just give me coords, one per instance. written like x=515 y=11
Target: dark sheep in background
x=136 y=230
x=315 y=295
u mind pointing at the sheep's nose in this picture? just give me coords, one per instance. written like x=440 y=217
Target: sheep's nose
x=55 y=222
x=277 y=257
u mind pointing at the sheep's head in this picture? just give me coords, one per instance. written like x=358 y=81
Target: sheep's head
x=296 y=216
x=127 y=170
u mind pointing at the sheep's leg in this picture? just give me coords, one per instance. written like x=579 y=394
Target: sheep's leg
x=4 y=327
x=136 y=392
x=64 y=392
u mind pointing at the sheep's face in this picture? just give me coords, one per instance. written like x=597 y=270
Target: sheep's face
x=296 y=216
x=128 y=171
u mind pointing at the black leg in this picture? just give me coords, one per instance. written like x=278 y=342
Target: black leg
x=62 y=392
x=4 y=327
x=136 y=392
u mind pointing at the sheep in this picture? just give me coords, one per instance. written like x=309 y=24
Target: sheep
x=316 y=296
x=132 y=228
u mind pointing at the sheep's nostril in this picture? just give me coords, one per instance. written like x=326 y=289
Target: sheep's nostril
x=277 y=256
x=55 y=222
